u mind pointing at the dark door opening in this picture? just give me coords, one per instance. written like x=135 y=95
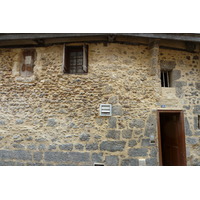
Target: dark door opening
x=171 y=138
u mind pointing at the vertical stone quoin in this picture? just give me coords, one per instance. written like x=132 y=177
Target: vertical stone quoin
x=154 y=70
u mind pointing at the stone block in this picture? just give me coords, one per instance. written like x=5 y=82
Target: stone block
x=112 y=122
x=130 y=162
x=196 y=109
x=167 y=64
x=127 y=134
x=112 y=160
x=31 y=147
x=19 y=121
x=51 y=122
x=179 y=84
x=137 y=152
x=136 y=123
x=56 y=157
x=84 y=137
x=151 y=162
x=197 y=133
x=37 y=156
x=2 y=122
x=113 y=100
x=176 y=74
x=112 y=146
x=97 y=157
x=187 y=127
x=79 y=146
x=7 y=163
x=34 y=164
x=16 y=155
x=151 y=125
x=132 y=143
x=66 y=147
x=90 y=147
x=113 y=134
x=41 y=147
x=154 y=152
x=197 y=85
x=117 y=110
x=191 y=140
x=52 y=147
x=146 y=143
x=41 y=140
x=18 y=146
x=79 y=157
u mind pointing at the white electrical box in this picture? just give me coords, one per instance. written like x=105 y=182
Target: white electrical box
x=105 y=110
x=142 y=162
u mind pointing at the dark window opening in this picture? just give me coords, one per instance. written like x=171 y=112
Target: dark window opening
x=165 y=78
x=28 y=62
x=76 y=60
x=198 y=121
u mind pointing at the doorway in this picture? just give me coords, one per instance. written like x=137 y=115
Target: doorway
x=171 y=137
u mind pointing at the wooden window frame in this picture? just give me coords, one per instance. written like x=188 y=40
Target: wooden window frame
x=67 y=50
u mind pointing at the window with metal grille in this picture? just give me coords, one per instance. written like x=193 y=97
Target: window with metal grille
x=75 y=59
x=165 y=78
x=28 y=62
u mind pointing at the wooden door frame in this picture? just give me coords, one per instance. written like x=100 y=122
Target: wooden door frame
x=182 y=129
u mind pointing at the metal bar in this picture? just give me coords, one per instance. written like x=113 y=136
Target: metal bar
x=167 y=78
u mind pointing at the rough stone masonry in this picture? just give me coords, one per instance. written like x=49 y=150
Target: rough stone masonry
x=52 y=118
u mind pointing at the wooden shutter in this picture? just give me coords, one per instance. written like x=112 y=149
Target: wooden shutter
x=85 y=58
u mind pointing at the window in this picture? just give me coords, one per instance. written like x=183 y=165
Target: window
x=198 y=121
x=165 y=78
x=76 y=59
x=28 y=62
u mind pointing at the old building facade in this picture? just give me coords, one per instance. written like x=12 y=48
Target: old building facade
x=52 y=89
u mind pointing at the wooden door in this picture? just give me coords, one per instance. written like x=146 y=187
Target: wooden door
x=172 y=139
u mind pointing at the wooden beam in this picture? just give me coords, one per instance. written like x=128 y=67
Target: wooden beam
x=171 y=36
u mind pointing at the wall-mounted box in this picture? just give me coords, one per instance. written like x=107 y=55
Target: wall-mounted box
x=105 y=110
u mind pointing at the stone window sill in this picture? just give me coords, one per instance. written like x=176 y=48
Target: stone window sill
x=23 y=79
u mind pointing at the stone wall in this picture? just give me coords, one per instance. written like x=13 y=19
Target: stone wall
x=53 y=118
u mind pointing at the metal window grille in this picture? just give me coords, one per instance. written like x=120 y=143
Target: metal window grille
x=75 y=59
x=105 y=110
x=165 y=78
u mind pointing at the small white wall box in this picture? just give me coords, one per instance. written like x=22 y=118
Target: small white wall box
x=105 y=110
x=142 y=162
